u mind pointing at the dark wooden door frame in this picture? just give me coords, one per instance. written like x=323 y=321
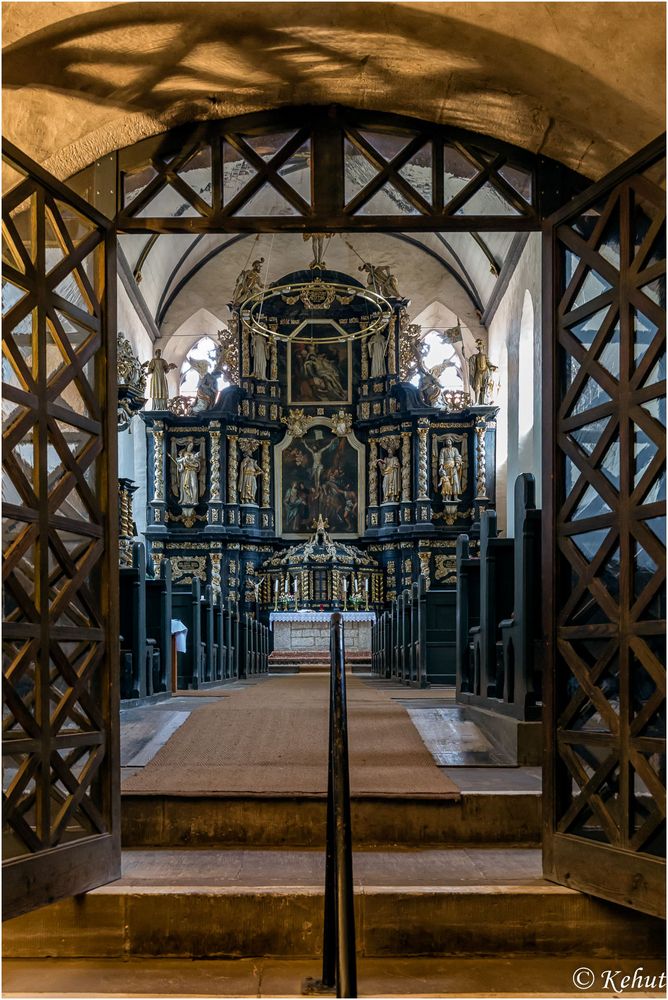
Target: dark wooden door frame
x=38 y=878
x=61 y=809
x=600 y=828
x=129 y=183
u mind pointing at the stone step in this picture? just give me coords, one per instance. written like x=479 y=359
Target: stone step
x=275 y=977
x=287 y=661
x=227 y=904
x=506 y=817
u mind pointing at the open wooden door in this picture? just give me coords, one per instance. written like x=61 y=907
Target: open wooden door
x=604 y=537
x=61 y=797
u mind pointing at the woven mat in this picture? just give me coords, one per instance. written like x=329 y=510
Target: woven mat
x=272 y=739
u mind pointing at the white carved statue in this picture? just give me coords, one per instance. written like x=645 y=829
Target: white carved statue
x=450 y=471
x=377 y=346
x=259 y=350
x=390 y=468
x=157 y=368
x=249 y=470
x=188 y=464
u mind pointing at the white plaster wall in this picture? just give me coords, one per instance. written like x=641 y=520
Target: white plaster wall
x=130 y=323
x=132 y=440
x=504 y=349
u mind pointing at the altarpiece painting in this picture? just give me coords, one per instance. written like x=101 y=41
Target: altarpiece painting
x=319 y=372
x=320 y=473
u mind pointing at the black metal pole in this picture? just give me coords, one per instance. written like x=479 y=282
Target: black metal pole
x=329 y=922
x=339 y=966
x=346 y=968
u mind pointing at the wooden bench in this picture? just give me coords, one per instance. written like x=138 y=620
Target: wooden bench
x=467 y=615
x=186 y=606
x=519 y=684
x=496 y=603
x=159 y=626
x=136 y=651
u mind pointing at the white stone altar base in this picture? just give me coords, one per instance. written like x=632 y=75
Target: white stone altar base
x=308 y=631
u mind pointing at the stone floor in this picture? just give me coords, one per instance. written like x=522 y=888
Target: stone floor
x=459 y=746
x=377 y=977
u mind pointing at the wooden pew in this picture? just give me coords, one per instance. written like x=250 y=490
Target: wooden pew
x=519 y=685
x=436 y=618
x=496 y=603
x=233 y=639
x=219 y=637
x=136 y=654
x=467 y=615
x=186 y=605
x=396 y=656
x=159 y=626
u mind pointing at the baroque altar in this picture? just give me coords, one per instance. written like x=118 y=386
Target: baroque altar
x=323 y=465
x=309 y=631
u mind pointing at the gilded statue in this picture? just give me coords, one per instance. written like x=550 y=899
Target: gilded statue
x=377 y=347
x=481 y=372
x=342 y=423
x=130 y=370
x=249 y=471
x=248 y=282
x=259 y=350
x=318 y=245
x=225 y=356
x=390 y=469
x=412 y=347
x=381 y=280
x=188 y=464
x=450 y=471
x=296 y=422
x=157 y=368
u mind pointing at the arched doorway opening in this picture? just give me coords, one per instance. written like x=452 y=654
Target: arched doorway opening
x=164 y=174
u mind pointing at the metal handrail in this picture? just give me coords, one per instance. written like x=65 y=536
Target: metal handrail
x=339 y=967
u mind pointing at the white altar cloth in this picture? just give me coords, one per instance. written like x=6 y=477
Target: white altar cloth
x=320 y=616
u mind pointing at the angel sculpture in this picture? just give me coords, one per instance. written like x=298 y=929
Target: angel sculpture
x=381 y=279
x=430 y=386
x=207 y=386
x=248 y=282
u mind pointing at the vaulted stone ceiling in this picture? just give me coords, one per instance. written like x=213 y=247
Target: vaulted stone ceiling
x=580 y=82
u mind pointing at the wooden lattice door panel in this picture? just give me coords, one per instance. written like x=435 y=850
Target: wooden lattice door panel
x=604 y=395
x=60 y=629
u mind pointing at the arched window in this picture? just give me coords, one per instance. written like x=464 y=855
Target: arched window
x=202 y=351
x=525 y=417
x=442 y=352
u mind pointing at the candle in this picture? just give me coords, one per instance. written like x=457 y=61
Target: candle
x=366 y=585
x=276 y=585
x=295 y=585
x=345 y=585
